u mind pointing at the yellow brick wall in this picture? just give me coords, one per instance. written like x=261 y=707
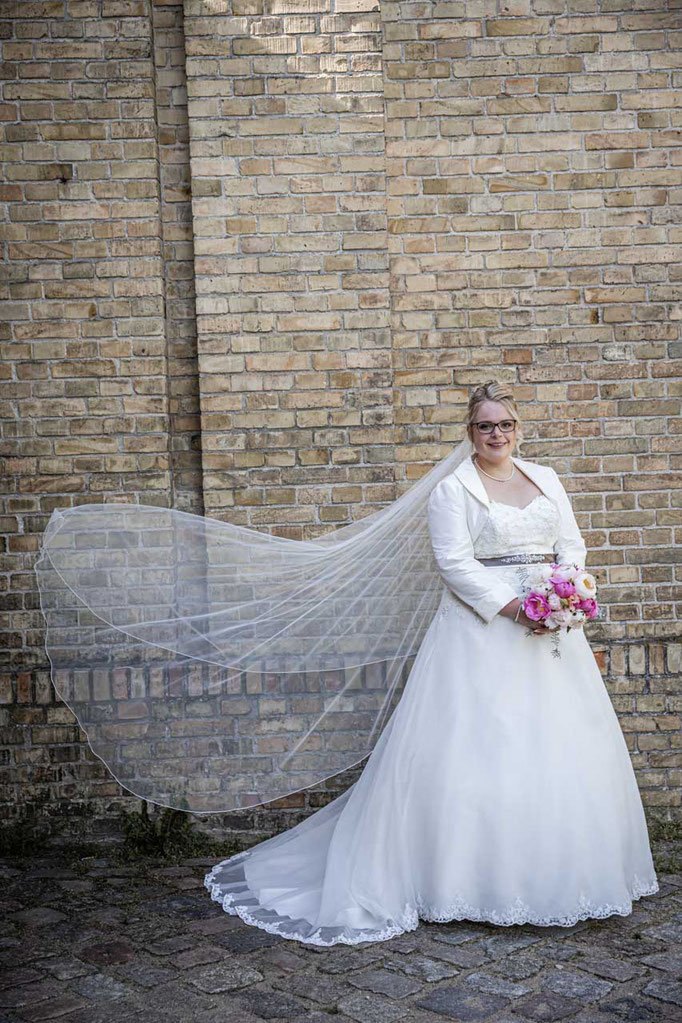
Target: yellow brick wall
x=286 y=113
x=257 y=254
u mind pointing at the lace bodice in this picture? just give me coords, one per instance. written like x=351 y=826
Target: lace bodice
x=533 y=529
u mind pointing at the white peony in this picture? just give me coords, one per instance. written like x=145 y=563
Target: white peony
x=537 y=578
x=562 y=618
x=544 y=588
x=585 y=584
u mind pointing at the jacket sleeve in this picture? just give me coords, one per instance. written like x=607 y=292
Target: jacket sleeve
x=570 y=546
x=454 y=553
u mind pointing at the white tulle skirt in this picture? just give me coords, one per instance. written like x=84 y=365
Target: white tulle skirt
x=500 y=790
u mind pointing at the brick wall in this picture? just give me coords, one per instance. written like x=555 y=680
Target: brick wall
x=258 y=252
x=99 y=334
x=291 y=262
x=533 y=166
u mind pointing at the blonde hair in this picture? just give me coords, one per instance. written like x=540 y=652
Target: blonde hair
x=492 y=390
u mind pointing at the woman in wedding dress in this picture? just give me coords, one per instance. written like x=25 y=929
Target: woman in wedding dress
x=501 y=788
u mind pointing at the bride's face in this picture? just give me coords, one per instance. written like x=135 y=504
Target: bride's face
x=496 y=446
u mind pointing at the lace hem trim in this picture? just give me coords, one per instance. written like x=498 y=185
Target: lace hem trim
x=517 y=913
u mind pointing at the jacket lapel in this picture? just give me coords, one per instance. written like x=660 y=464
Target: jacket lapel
x=467 y=473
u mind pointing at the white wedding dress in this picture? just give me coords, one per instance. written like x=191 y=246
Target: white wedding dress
x=500 y=790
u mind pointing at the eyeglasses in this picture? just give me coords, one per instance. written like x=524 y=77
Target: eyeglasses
x=506 y=425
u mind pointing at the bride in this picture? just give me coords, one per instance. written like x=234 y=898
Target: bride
x=501 y=788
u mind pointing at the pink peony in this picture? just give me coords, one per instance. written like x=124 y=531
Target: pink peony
x=589 y=606
x=562 y=587
x=536 y=607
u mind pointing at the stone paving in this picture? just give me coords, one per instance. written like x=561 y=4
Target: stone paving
x=92 y=941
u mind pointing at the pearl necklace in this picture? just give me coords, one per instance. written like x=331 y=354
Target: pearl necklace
x=498 y=478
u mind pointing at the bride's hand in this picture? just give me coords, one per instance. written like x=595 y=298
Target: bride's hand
x=513 y=612
x=536 y=627
x=510 y=611
x=529 y=623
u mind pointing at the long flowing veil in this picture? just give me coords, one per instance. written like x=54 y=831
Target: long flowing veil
x=212 y=666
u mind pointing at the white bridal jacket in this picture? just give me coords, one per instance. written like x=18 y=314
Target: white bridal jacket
x=458 y=508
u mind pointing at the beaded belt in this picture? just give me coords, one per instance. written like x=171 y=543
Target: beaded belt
x=517 y=559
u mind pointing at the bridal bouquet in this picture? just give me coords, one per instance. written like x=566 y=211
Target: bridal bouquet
x=559 y=596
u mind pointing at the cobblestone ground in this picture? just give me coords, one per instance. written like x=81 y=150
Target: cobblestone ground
x=90 y=941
